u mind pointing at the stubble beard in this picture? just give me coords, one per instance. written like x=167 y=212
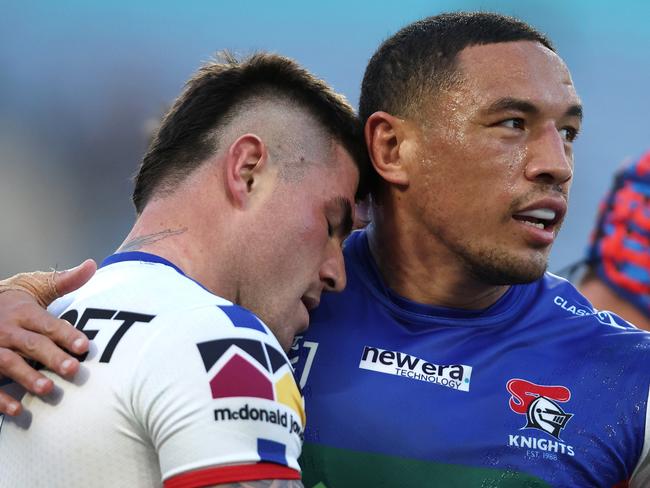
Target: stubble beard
x=498 y=268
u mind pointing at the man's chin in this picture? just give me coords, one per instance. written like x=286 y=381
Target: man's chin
x=502 y=270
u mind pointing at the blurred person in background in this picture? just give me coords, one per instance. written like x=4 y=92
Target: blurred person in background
x=617 y=265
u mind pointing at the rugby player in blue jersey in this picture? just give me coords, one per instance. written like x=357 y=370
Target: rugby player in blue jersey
x=453 y=358
x=452 y=355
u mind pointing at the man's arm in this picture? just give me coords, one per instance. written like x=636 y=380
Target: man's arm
x=28 y=331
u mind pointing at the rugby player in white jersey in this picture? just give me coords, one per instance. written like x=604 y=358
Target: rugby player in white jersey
x=243 y=201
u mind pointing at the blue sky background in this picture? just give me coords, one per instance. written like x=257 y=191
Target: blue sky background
x=80 y=81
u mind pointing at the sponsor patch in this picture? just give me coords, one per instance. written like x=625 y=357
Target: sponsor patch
x=603 y=316
x=574 y=309
x=455 y=376
x=247 y=368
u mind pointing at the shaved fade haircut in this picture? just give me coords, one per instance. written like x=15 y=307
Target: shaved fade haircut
x=191 y=130
x=421 y=59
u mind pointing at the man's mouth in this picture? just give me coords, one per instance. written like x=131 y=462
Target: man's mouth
x=542 y=218
x=544 y=214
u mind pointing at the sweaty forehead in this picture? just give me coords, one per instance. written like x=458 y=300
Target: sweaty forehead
x=521 y=69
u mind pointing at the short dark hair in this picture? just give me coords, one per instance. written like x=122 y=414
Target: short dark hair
x=186 y=137
x=421 y=57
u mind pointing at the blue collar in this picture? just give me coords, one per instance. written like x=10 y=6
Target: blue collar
x=145 y=257
x=120 y=257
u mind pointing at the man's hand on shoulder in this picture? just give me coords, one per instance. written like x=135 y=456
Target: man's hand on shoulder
x=27 y=330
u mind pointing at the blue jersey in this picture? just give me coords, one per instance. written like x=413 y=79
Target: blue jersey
x=536 y=390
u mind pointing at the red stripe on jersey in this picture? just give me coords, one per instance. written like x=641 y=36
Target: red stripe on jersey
x=231 y=474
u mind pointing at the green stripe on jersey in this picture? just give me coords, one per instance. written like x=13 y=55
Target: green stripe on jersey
x=329 y=467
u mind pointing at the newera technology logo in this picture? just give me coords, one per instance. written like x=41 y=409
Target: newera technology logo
x=456 y=376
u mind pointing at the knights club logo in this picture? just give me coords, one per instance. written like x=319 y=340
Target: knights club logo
x=540 y=405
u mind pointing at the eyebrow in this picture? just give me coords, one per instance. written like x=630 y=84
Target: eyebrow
x=575 y=111
x=505 y=104
x=340 y=210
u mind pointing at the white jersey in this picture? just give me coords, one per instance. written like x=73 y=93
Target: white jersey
x=179 y=385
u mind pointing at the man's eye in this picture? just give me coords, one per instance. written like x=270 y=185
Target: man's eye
x=515 y=123
x=569 y=134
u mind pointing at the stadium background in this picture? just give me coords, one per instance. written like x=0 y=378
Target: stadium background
x=81 y=84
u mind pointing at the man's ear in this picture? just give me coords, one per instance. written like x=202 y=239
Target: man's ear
x=385 y=136
x=245 y=160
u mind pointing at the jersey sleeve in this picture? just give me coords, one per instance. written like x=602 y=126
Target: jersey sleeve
x=215 y=394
